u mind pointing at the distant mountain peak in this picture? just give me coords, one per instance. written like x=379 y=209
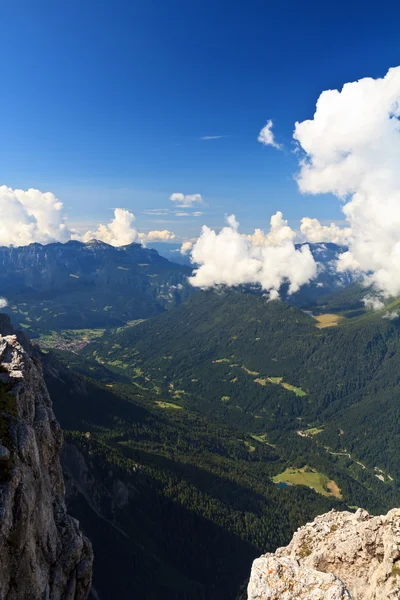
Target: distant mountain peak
x=97 y=243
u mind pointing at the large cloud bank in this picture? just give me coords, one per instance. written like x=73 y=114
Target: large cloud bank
x=230 y=258
x=31 y=216
x=352 y=149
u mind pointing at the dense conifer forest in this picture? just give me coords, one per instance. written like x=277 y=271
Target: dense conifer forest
x=200 y=505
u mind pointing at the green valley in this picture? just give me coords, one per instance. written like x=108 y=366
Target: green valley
x=182 y=496
x=278 y=374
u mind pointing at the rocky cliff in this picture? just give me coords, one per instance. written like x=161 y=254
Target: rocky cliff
x=43 y=554
x=339 y=556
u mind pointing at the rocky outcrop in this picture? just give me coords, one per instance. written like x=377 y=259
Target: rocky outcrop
x=339 y=556
x=43 y=554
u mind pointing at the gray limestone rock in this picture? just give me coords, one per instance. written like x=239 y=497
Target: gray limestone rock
x=339 y=556
x=43 y=554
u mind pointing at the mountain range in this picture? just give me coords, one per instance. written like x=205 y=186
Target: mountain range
x=203 y=428
x=75 y=285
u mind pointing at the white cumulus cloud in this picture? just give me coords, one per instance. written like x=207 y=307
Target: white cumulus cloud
x=31 y=216
x=313 y=231
x=351 y=149
x=28 y=216
x=266 y=135
x=158 y=236
x=118 y=232
x=186 y=247
x=3 y=303
x=186 y=200
x=279 y=233
x=230 y=258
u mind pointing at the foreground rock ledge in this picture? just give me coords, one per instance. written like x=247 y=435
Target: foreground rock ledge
x=339 y=556
x=43 y=554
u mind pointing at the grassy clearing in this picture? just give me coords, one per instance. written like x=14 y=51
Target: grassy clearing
x=313 y=430
x=334 y=489
x=328 y=320
x=118 y=363
x=250 y=447
x=129 y=324
x=293 y=388
x=311 y=478
x=255 y=373
x=262 y=439
x=168 y=405
x=263 y=381
x=288 y=386
x=225 y=398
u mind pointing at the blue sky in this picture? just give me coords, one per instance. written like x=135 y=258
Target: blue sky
x=105 y=103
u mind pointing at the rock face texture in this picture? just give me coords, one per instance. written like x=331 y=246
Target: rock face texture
x=43 y=554
x=339 y=556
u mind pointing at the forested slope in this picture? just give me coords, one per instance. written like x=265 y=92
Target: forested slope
x=74 y=285
x=176 y=505
x=266 y=366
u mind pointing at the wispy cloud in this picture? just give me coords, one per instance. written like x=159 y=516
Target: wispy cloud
x=186 y=200
x=212 y=137
x=197 y=213
x=156 y=211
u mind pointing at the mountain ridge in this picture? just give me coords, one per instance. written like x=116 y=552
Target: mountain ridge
x=76 y=285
